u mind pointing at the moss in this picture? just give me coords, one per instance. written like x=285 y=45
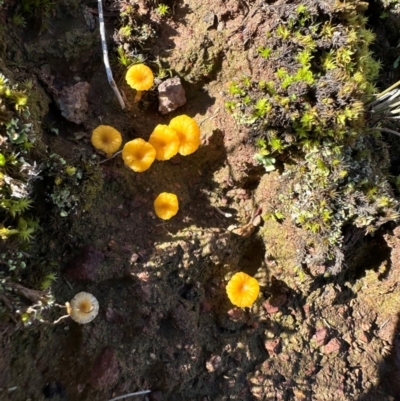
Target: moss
x=38 y=103
x=201 y=59
x=312 y=111
x=77 y=44
x=92 y=185
x=283 y=242
x=74 y=45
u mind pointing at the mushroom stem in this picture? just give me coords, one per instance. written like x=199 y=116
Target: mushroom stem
x=105 y=56
x=138 y=96
x=60 y=318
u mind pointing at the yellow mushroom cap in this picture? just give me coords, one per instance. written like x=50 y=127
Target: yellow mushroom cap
x=242 y=289
x=140 y=77
x=166 y=205
x=83 y=308
x=138 y=154
x=106 y=138
x=188 y=133
x=165 y=142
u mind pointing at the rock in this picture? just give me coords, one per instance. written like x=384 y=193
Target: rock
x=321 y=336
x=210 y=19
x=332 y=346
x=171 y=95
x=270 y=308
x=273 y=346
x=112 y=316
x=72 y=102
x=134 y=258
x=105 y=371
x=84 y=266
x=214 y=363
x=363 y=336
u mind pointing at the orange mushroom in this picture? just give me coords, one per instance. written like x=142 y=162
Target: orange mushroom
x=165 y=142
x=166 y=205
x=138 y=155
x=242 y=289
x=188 y=133
x=107 y=139
x=141 y=78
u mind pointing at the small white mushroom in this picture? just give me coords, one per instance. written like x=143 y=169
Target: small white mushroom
x=83 y=308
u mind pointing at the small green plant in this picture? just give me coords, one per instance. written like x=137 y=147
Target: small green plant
x=236 y=90
x=125 y=31
x=162 y=9
x=266 y=161
x=19 y=21
x=48 y=280
x=38 y=11
x=264 y=52
x=283 y=32
x=16 y=207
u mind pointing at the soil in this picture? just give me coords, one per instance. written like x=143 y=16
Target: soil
x=165 y=322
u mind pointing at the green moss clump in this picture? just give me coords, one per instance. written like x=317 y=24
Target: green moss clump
x=18 y=171
x=319 y=72
x=73 y=187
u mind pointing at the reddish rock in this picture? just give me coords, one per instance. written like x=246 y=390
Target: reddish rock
x=266 y=366
x=105 y=371
x=273 y=346
x=385 y=332
x=332 y=346
x=306 y=309
x=363 y=336
x=84 y=266
x=112 y=316
x=270 y=308
x=321 y=336
x=171 y=95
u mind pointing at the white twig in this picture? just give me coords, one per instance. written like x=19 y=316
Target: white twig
x=130 y=394
x=105 y=56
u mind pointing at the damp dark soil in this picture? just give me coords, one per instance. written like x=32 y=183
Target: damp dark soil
x=165 y=323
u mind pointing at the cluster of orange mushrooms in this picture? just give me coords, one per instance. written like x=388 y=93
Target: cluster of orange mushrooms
x=181 y=135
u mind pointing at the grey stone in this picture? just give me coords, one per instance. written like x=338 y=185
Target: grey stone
x=171 y=95
x=73 y=102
